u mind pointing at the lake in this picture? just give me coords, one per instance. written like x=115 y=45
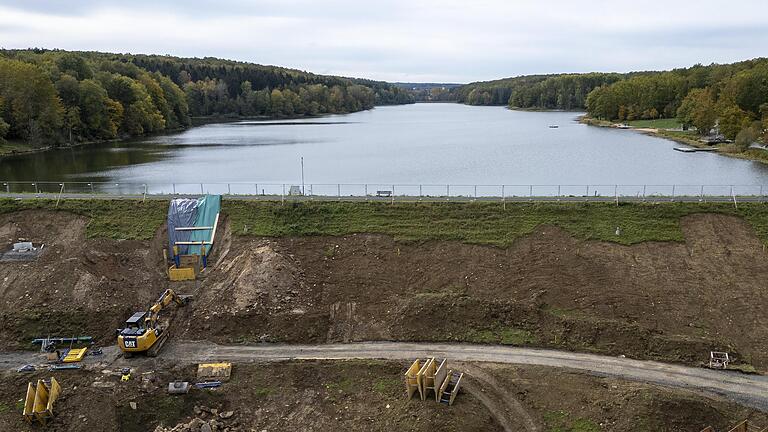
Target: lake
x=433 y=144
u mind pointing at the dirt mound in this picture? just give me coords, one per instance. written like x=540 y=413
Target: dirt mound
x=254 y=276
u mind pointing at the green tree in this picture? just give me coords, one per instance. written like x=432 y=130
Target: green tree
x=698 y=110
x=4 y=128
x=101 y=115
x=31 y=108
x=74 y=65
x=748 y=135
x=732 y=120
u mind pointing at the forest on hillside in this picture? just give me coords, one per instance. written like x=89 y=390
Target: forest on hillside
x=53 y=97
x=731 y=98
x=564 y=92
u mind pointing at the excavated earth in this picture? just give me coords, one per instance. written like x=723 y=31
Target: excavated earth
x=667 y=301
x=367 y=395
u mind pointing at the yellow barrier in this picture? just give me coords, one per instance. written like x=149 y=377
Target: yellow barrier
x=181 y=274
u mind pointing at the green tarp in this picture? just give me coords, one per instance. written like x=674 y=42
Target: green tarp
x=208 y=207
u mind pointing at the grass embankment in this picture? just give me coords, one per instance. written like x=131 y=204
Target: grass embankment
x=115 y=219
x=480 y=223
x=477 y=223
x=655 y=124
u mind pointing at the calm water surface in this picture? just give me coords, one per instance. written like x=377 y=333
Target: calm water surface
x=414 y=144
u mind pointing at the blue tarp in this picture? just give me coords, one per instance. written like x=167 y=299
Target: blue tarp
x=182 y=212
x=186 y=212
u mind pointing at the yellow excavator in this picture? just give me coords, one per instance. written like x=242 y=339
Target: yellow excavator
x=143 y=332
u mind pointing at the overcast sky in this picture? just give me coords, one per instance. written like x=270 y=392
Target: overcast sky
x=405 y=40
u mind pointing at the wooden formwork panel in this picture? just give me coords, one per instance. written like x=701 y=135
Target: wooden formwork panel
x=412 y=379
x=39 y=401
x=426 y=377
x=29 y=403
x=441 y=373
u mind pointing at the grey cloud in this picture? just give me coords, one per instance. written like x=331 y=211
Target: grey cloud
x=429 y=40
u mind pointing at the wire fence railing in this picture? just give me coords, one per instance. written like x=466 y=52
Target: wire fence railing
x=389 y=191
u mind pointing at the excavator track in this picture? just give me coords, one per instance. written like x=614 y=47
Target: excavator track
x=155 y=350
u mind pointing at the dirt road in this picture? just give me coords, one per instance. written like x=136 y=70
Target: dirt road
x=750 y=390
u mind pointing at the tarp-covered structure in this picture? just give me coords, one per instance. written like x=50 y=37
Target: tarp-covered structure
x=200 y=213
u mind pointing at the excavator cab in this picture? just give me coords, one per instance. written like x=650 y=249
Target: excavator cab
x=134 y=325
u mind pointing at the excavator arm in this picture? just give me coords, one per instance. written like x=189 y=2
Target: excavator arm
x=169 y=296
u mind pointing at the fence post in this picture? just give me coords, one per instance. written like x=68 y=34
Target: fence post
x=366 y=191
x=503 y=198
x=616 y=194
x=643 y=193
x=558 y=192
x=174 y=188
x=8 y=188
x=145 y=192
x=338 y=190
x=282 y=195
x=475 y=192
x=201 y=189
x=701 y=194
x=420 y=194
x=229 y=189
x=586 y=194
x=448 y=191
x=35 y=185
x=673 y=193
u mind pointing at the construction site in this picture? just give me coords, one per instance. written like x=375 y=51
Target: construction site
x=203 y=314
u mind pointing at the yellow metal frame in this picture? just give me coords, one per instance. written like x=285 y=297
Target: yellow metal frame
x=38 y=404
x=181 y=274
x=75 y=355
x=220 y=371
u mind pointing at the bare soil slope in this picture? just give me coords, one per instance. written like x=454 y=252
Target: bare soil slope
x=672 y=301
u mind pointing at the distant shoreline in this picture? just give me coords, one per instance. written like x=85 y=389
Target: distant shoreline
x=752 y=154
